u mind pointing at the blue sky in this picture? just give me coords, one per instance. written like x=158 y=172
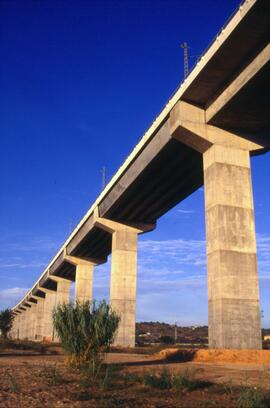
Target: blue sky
x=80 y=83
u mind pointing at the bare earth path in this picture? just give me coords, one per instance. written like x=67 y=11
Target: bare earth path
x=45 y=381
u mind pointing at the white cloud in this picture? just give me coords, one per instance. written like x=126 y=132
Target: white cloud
x=10 y=296
x=263 y=249
x=22 y=265
x=177 y=251
x=182 y=211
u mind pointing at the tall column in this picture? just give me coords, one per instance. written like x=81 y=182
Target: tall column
x=234 y=312
x=62 y=295
x=21 y=328
x=27 y=323
x=49 y=304
x=63 y=291
x=123 y=284
x=18 y=333
x=24 y=323
x=123 y=275
x=84 y=282
x=40 y=319
x=33 y=321
x=17 y=327
x=83 y=278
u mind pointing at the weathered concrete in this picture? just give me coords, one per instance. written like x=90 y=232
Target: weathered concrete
x=84 y=282
x=40 y=319
x=26 y=323
x=123 y=284
x=233 y=295
x=123 y=276
x=32 y=321
x=21 y=324
x=49 y=304
x=62 y=295
x=63 y=291
x=83 y=278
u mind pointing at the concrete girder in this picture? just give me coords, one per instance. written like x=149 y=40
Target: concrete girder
x=46 y=291
x=238 y=83
x=188 y=125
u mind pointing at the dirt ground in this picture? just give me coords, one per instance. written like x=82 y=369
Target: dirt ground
x=32 y=380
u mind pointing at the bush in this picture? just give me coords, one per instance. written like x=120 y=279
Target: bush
x=166 y=340
x=6 y=321
x=252 y=398
x=85 y=330
x=179 y=382
x=163 y=380
x=52 y=375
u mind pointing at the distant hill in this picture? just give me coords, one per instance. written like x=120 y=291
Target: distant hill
x=151 y=332
x=154 y=332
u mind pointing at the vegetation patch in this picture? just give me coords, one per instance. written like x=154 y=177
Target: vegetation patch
x=252 y=397
x=165 y=380
x=52 y=375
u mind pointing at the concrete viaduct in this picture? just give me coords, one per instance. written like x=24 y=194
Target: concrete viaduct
x=216 y=119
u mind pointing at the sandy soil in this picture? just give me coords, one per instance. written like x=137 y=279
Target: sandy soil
x=257 y=357
x=34 y=381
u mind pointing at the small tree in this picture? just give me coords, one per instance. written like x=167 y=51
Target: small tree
x=166 y=339
x=6 y=321
x=85 y=330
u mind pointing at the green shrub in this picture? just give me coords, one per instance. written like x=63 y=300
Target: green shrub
x=252 y=398
x=162 y=380
x=166 y=340
x=51 y=375
x=14 y=386
x=85 y=330
x=178 y=382
x=6 y=321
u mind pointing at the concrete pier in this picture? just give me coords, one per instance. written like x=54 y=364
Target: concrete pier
x=33 y=321
x=63 y=291
x=233 y=295
x=84 y=282
x=27 y=319
x=123 y=284
x=123 y=275
x=40 y=319
x=49 y=304
x=21 y=324
x=83 y=278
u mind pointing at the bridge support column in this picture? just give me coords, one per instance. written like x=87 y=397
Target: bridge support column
x=123 y=276
x=12 y=332
x=62 y=294
x=21 y=324
x=63 y=289
x=19 y=327
x=84 y=282
x=40 y=319
x=123 y=284
x=32 y=321
x=83 y=278
x=49 y=304
x=27 y=322
x=234 y=311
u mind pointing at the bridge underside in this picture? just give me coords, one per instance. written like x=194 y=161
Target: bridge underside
x=204 y=136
